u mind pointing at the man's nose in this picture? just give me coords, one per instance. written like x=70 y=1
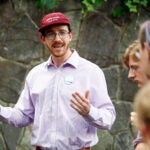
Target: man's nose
x=131 y=74
x=57 y=37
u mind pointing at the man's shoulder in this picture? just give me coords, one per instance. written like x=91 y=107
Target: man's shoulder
x=88 y=63
x=38 y=68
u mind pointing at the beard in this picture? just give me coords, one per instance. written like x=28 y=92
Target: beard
x=59 y=49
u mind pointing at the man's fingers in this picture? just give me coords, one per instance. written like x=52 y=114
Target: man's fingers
x=87 y=94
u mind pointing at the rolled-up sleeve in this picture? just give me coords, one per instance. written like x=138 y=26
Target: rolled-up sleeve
x=102 y=112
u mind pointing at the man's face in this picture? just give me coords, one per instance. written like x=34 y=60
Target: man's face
x=57 y=39
x=136 y=72
x=145 y=59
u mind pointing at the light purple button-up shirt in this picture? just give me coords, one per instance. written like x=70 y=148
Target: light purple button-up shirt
x=45 y=102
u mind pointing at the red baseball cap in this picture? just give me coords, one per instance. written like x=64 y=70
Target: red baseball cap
x=53 y=19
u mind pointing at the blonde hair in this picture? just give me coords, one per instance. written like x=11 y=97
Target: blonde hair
x=131 y=51
x=142 y=106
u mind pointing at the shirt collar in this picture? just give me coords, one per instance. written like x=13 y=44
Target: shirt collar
x=72 y=60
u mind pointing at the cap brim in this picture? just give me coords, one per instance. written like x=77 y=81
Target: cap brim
x=45 y=27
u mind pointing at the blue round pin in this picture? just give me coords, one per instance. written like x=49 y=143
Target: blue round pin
x=69 y=79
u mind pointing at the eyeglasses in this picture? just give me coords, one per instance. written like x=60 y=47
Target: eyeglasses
x=52 y=35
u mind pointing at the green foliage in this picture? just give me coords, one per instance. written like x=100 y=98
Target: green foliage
x=134 y=5
x=90 y=5
x=45 y=5
x=126 y=6
x=119 y=11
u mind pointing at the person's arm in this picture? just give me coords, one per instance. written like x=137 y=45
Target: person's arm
x=95 y=106
x=21 y=114
x=102 y=117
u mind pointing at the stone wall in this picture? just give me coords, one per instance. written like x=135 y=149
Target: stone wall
x=97 y=37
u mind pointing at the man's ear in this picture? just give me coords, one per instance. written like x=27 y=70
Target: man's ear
x=71 y=35
x=42 y=38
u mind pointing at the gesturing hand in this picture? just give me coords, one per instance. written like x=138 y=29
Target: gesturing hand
x=81 y=103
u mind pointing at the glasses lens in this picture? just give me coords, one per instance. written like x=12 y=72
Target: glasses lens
x=50 y=35
x=61 y=34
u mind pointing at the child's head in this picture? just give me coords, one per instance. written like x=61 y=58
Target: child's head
x=142 y=108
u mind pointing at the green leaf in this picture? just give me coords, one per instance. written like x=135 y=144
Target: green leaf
x=128 y=4
x=133 y=9
x=86 y=2
x=88 y=5
x=136 y=1
x=117 y=12
x=144 y=2
x=51 y=4
x=83 y=11
x=38 y=4
x=43 y=2
x=97 y=3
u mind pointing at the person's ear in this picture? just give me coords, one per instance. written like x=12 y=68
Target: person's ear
x=42 y=38
x=70 y=36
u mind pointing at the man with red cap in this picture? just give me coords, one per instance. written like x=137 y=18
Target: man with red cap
x=65 y=98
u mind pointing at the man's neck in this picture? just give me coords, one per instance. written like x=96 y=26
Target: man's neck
x=58 y=61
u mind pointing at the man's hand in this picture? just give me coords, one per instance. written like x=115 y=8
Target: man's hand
x=81 y=103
